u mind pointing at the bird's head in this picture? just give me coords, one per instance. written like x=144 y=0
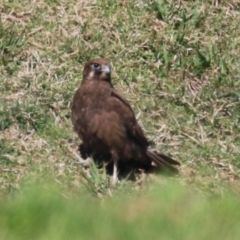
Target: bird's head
x=98 y=69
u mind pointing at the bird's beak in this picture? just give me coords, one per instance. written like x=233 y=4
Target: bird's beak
x=106 y=69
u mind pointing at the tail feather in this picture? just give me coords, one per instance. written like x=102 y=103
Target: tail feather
x=162 y=160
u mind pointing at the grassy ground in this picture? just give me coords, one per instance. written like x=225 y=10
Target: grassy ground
x=164 y=212
x=178 y=65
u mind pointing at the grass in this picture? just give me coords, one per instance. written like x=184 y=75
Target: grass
x=177 y=64
x=166 y=212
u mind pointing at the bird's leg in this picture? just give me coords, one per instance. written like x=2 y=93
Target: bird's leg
x=115 y=171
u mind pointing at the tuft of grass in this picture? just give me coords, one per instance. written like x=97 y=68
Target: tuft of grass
x=11 y=45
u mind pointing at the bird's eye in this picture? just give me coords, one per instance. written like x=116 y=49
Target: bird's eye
x=96 y=65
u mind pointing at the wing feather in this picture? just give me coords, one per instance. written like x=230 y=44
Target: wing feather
x=129 y=119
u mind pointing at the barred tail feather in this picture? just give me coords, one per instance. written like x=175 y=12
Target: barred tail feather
x=162 y=160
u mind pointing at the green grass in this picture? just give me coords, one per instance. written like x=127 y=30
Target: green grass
x=177 y=64
x=165 y=212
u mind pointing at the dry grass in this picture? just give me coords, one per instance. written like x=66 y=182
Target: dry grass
x=178 y=64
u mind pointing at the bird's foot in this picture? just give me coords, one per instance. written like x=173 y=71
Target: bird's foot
x=84 y=162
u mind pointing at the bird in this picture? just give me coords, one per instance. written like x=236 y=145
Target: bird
x=106 y=124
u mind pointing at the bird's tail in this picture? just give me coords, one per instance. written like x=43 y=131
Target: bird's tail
x=162 y=160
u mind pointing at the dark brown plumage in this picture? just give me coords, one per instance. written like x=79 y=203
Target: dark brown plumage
x=106 y=124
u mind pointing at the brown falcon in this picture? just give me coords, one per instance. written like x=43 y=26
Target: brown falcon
x=106 y=124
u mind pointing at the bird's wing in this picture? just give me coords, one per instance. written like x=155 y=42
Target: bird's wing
x=124 y=101
x=126 y=113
